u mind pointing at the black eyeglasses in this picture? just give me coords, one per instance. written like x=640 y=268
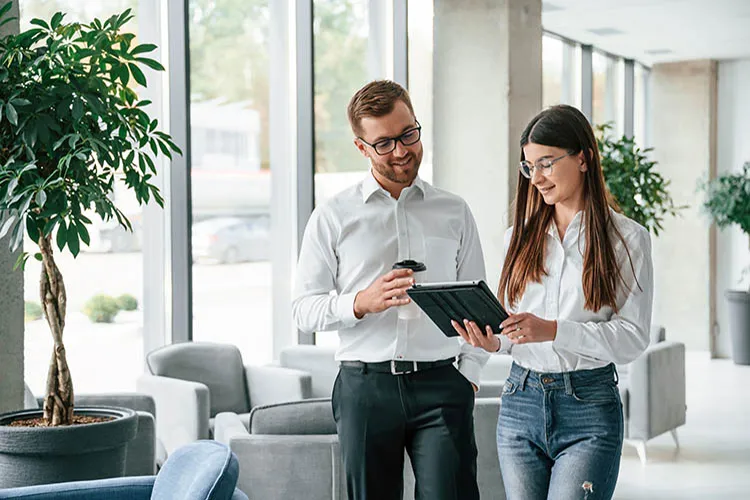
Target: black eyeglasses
x=544 y=166
x=387 y=145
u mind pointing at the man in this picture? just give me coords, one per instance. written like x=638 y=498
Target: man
x=397 y=387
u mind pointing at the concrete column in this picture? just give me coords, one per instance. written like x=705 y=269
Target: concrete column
x=733 y=150
x=684 y=139
x=11 y=306
x=487 y=70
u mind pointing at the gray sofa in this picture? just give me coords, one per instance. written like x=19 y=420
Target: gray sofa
x=290 y=451
x=193 y=381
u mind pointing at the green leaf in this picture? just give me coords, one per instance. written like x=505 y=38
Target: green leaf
x=20 y=102
x=41 y=198
x=32 y=229
x=77 y=109
x=55 y=22
x=137 y=74
x=39 y=22
x=11 y=113
x=74 y=245
x=5 y=8
x=83 y=233
x=62 y=235
x=7 y=225
x=143 y=48
x=155 y=65
x=38 y=256
x=21 y=261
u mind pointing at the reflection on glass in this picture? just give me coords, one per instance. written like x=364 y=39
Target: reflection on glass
x=231 y=177
x=113 y=349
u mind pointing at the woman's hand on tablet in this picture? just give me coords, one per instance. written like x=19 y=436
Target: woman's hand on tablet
x=472 y=334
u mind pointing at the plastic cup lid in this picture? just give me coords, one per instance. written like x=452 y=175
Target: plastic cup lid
x=410 y=264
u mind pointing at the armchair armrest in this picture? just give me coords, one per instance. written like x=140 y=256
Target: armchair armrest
x=268 y=385
x=133 y=400
x=656 y=391
x=183 y=408
x=132 y=488
x=283 y=466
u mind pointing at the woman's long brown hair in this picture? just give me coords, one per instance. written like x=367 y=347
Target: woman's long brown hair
x=567 y=128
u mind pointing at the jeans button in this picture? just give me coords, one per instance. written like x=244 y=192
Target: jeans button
x=547 y=380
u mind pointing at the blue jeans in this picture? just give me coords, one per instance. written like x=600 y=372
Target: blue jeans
x=559 y=435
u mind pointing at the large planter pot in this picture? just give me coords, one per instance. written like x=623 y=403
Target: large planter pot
x=42 y=455
x=739 y=325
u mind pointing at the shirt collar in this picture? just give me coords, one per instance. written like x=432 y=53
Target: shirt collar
x=370 y=186
x=575 y=225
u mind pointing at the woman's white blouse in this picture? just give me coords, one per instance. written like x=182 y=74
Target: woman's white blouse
x=587 y=339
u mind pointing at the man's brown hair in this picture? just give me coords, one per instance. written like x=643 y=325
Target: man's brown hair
x=375 y=99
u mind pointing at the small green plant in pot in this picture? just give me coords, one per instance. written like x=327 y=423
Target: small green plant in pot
x=728 y=203
x=71 y=126
x=638 y=189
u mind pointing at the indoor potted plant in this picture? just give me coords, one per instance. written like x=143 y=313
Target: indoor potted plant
x=728 y=202
x=638 y=189
x=71 y=126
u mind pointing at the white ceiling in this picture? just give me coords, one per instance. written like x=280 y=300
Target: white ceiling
x=688 y=29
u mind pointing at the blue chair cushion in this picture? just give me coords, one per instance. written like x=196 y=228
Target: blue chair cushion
x=203 y=470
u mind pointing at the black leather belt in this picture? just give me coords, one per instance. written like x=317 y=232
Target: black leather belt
x=396 y=367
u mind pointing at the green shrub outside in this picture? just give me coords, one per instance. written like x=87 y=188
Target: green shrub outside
x=101 y=309
x=32 y=311
x=127 y=302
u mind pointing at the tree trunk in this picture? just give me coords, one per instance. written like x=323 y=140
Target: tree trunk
x=58 y=400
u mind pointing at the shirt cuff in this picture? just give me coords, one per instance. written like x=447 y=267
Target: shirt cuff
x=505 y=345
x=345 y=309
x=470 y=369
x=567 y=334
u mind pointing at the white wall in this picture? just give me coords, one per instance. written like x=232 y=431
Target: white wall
x=733 y=149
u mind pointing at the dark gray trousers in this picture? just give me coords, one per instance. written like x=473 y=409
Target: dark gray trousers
x=429 y=413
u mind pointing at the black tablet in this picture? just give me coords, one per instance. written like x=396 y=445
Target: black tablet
x=472 y=300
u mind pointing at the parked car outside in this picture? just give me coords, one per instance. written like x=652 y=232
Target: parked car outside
x=229 y=240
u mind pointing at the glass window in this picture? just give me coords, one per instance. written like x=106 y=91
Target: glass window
x=341 y=31
x=114 y=349
x=420 y=19
x=552 y=71
x=607 y=105
x=231 y=177
x=640 y=111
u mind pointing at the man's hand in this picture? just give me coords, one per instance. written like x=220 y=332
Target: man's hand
x=525 y=327
x=387 y=291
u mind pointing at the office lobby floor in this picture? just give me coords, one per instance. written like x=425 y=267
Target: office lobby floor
x=714 y=457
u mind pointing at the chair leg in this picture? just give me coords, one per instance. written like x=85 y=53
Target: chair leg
x=674 y=436
x=640 y=447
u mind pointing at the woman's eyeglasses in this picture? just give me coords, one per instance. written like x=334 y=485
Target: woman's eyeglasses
x=544 y=165
x=385 y=146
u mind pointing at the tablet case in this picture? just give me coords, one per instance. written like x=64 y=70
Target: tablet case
x=472 y=300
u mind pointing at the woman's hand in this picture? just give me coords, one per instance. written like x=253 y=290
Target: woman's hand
x=523 y=328
x=472 y=334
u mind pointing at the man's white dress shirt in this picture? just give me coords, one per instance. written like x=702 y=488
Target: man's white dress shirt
x=587 y=339
x=356 y=237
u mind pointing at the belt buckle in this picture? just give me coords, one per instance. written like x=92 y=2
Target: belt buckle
x=403 y=372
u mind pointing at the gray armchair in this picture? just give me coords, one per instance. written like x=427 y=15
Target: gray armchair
x=143 y=452
x=653 y=390
x=291 y=450
x=192 y=382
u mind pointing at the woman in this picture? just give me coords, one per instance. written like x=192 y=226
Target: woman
x=578 y=283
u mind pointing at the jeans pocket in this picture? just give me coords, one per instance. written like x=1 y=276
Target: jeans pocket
x=597 y=394
x=509 y=388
